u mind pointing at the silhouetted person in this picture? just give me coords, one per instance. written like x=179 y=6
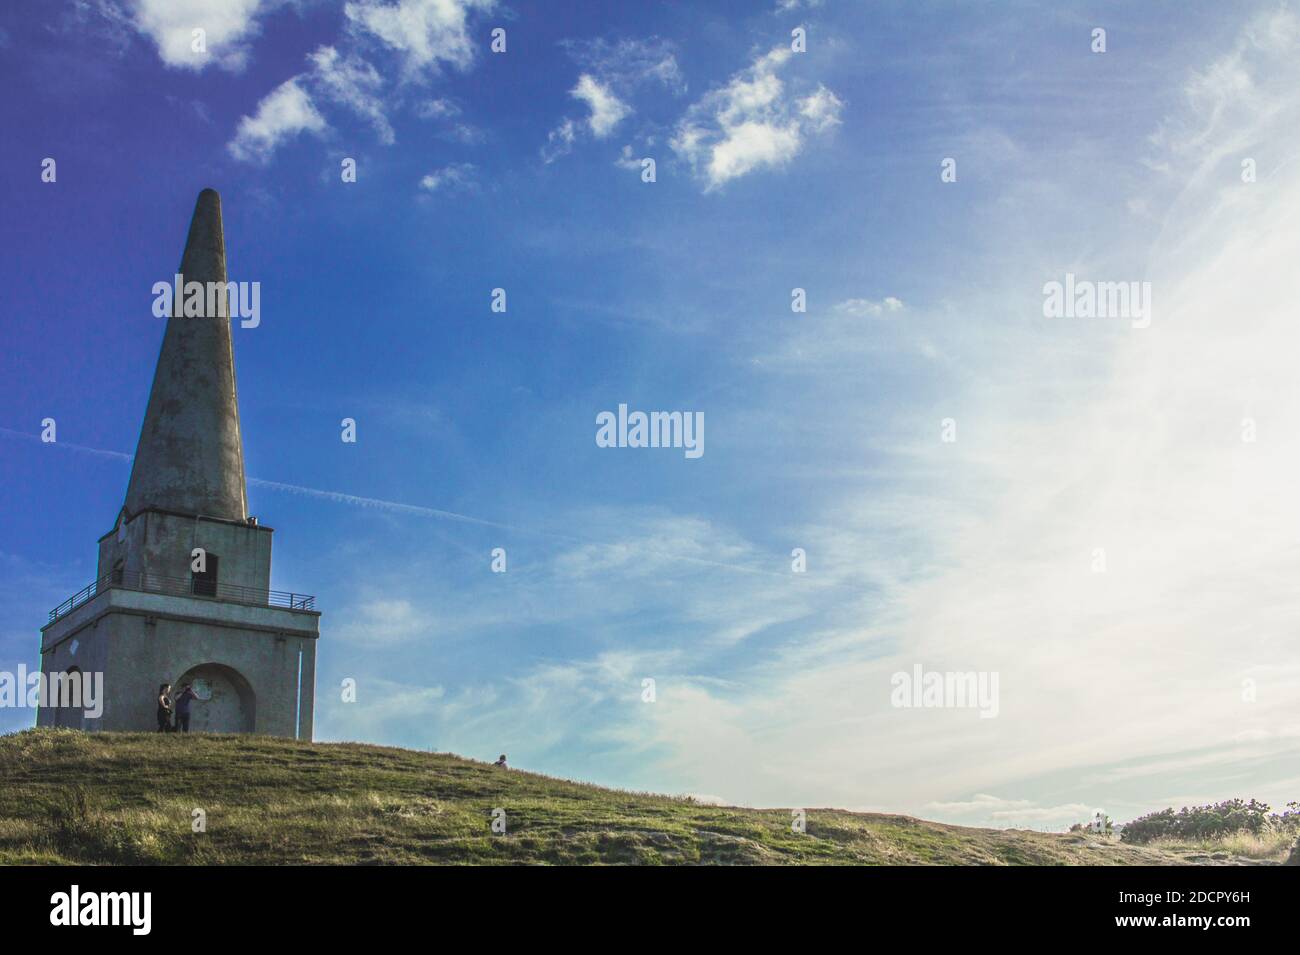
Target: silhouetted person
x=501 y=762
x=183 y=701
x=164 y=708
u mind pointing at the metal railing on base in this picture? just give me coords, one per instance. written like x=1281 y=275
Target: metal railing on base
x=184 y=587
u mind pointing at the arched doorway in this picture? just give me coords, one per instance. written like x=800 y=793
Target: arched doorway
x=225 y=701
x=67 y=696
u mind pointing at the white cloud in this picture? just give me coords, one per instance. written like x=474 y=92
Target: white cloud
x=113 y=25
x=382 y=704
x=284 y=113
x=457 y=176
x=354 y=83
x=629 y=62
x=863 y=307
x=607 y=110
x=382 y=621
x=706 y=799
x=559 y=141
x=1013 y=812
x=228 y=25
x=464 y=133
x=1229 y=102
x=751 y=123
x=515 y=716
x=821 y=109
x=627 y=159
x=441 y=108
x=749 y=145
x=346 y=80
x=613 y=72
x=446 y=111
x=427 y=33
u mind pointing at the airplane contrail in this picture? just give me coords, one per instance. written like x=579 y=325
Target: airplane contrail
x=341 y=497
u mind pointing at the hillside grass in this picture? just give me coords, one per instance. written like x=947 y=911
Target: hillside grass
x=119 y=798
x=1272 y=846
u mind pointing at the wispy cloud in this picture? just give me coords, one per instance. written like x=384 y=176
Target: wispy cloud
x=559 y=141
x=688 y=550
x=789 y=6
x=1122 y=596
x=456 y=176
x=354 y=83
x=982 y=554
x=427 y=34
x=1013 y=812
x=863 y=307
x=293 y=107
x=195 y=34
x=285 y=113
x=613 y=73
x=752 y=122
x=628 y=63
x=607 y=110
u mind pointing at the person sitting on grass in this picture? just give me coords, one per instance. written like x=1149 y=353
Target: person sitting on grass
x=501 y=762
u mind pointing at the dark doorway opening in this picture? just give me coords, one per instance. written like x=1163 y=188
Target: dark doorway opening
x=205 y=584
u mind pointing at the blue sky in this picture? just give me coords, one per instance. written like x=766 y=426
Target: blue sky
x=1124 y=689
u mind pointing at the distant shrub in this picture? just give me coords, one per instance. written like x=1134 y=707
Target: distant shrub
x=1199 y=823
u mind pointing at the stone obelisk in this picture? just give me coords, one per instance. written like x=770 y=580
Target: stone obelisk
x=183 y=590
x=190 y=457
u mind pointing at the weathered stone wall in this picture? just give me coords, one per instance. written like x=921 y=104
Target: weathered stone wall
x=161 y=544
x=139 y=640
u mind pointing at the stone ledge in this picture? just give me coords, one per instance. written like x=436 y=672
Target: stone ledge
x=216 y=613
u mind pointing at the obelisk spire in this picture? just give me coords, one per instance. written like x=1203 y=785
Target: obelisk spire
x=190 y=458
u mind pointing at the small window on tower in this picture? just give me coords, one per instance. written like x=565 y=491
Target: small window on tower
x=205 y=583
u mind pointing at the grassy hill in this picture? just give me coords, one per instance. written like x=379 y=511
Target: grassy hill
x=128 y=798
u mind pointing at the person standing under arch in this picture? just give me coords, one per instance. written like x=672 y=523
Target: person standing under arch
x=183 y=701
x=164 y=708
